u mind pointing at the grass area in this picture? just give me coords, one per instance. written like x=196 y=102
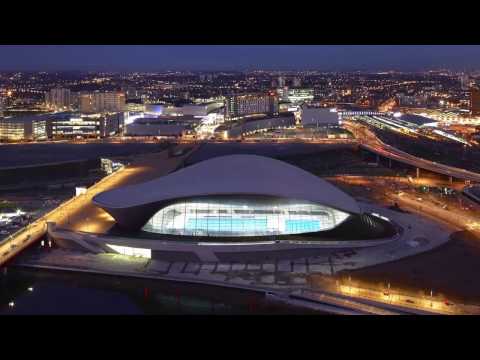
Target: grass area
x=443 y=152
x=336 y=161
x=7 y=206
x=449 y=270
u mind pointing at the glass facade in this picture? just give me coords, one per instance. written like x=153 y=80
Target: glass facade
x=243 y=216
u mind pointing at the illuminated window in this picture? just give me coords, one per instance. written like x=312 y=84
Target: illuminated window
x=246 y=216
x=131 y=251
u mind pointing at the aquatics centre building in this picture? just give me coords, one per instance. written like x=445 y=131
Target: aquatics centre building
x=234 y=207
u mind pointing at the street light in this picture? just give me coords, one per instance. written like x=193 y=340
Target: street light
x=389 y=295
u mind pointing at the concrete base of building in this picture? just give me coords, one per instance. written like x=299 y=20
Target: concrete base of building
x=204 y=251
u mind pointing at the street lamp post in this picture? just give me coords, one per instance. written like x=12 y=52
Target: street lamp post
x=389 y=294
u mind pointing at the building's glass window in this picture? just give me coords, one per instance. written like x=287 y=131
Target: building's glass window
x=246 y=216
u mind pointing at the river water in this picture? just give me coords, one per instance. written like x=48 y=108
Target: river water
x=42 y=292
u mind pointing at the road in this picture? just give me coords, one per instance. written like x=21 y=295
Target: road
x=369 y=141
x=457 y=210
x=340 y=302
x=79 y=214
x=398 y=300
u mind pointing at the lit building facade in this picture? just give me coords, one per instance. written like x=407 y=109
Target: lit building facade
x=75 y=127
x=300 y=95
x=86 y=103
x=23 y=129
x=258 y=126
x=98 y=102
x=134 y=106
x=2 y=106
x=475 y=101
x=241 y=105
x=95 y=126
x=58 y=99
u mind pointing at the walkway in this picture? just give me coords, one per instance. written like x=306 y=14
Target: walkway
x=369 y=141
x=79 y=214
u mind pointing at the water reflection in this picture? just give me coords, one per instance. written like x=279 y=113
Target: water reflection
x=34 y=292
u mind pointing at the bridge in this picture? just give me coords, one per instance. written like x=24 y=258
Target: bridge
x=79 y=214
x=369 y=141
x=363 y=303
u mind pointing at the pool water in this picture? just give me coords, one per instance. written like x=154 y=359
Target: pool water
x=301 y=226
x=248 y=225
x=228 y=225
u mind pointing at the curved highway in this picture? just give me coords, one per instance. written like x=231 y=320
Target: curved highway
x=368 y=140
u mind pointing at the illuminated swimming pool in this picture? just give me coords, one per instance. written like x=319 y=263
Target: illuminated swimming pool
x=245 y=216
x=301 y=226
x=227 y=225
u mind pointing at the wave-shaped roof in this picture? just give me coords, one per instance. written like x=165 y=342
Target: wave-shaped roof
x=231 y=175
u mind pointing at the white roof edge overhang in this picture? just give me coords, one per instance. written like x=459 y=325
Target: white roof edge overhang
x=232 y=175
x=97 y=202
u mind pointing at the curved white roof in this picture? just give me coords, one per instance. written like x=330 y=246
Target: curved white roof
x=231 y=175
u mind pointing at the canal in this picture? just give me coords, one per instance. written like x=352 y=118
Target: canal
x=46 y=292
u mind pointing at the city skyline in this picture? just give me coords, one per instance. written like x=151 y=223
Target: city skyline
x=320 y=189
x=118 y=58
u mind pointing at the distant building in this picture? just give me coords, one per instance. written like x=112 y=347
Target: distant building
x=136 y=105
x=58 y=99
x=281 y=81
x=411 y=100
x=59 y=126
x=75 y=127
x=464 y=81
x=113 y=124
x=319 y=117
x=193 y=110
x=475 y=101
x=23 y=128
x=2 y=106
x=157 y=130
x=442 y=116
x=71 y=126
x=240 y=105
x=206 y=77
x=154 y=109
x=199 y=110
x=300 y=95
x=283 y=93
x=98 y=102
x=161 y=126
x=277 y=122
x=86 y=103
x=110 y=101
x=131 y=93
x=296 y=82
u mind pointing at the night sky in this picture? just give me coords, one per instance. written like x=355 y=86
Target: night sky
x=236 y=57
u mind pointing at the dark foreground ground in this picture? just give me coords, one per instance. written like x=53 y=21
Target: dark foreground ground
x=451 y=269
x=275 y=150
x=34 y=154
x=62 y=293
